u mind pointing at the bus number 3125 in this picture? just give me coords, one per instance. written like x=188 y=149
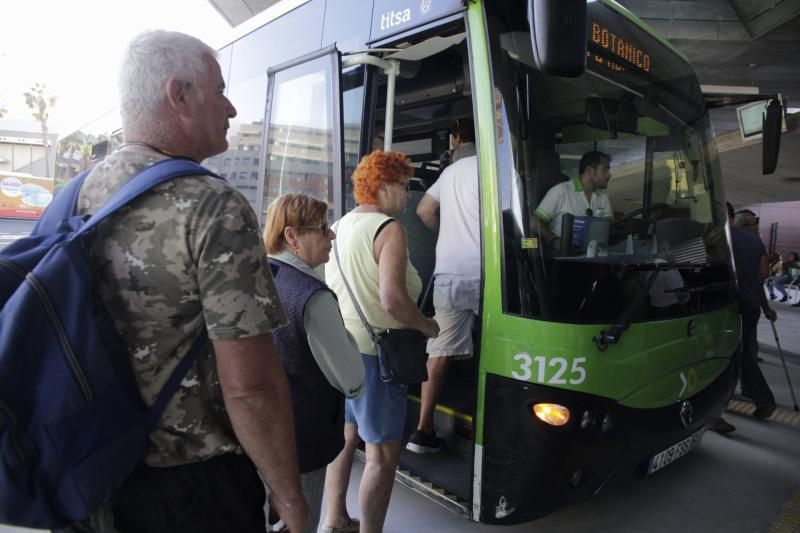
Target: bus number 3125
x=575 y=376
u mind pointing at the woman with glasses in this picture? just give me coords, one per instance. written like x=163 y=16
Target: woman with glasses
x=372 y=252
x=321 y=359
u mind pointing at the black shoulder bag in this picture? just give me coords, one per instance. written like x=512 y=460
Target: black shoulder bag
x=401 y=352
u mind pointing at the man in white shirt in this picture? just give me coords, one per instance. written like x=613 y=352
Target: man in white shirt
x=583 y=196
x=452 y=205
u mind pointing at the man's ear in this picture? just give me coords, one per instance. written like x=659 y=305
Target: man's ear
x=176 y=94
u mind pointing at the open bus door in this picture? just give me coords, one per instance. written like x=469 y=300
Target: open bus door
x=412 y=89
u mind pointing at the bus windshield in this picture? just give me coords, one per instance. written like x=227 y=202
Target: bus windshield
x=654 y=236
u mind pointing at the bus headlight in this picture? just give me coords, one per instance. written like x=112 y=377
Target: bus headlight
x=551 y=413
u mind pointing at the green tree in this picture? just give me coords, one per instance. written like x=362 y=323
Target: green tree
x=3 y=111
x=41 y=105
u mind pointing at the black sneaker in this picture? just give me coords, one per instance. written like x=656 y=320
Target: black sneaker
x=720 y=425
x=745 y=396
x=783 y=299
x=772 y=296
x=421 y=442
x=764 y=412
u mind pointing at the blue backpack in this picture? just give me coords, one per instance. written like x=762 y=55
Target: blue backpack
x=73 y=425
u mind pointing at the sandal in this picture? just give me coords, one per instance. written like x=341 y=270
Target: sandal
x=351 y=526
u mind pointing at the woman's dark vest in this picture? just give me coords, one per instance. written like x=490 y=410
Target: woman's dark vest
x=318 y=407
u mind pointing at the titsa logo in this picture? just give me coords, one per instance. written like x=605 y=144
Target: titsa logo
x=424 y=7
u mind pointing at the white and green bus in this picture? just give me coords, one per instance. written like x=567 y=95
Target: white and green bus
x=580 y=380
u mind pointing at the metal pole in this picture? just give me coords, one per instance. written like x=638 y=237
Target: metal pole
x=391 y=76
x=390 y=67
x=783 y=360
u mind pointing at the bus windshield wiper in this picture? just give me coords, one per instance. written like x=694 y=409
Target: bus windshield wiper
x=614 y=334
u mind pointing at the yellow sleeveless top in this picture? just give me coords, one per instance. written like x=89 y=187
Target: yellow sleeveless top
x=355 y=235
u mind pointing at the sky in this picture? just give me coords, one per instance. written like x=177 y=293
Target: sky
x=74 y=47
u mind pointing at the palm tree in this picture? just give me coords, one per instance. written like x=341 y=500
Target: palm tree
x=3 y=111
x=40 y=106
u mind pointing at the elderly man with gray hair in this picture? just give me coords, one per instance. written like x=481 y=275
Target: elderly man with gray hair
x=182 y=258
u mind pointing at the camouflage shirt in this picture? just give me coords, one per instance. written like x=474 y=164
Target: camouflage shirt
x=184 y=255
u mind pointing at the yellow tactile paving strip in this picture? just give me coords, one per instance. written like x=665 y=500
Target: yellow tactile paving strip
x=788 y=417
x=789 y=520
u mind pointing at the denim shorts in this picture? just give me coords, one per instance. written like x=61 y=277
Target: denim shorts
x=380 y=412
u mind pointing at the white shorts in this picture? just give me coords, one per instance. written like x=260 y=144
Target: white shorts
x=455 y=301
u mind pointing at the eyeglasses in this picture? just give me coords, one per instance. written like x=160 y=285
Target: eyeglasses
x=324 y=227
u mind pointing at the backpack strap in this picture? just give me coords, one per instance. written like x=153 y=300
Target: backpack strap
x=137 y=185
x=142 y=182
x=173 y=382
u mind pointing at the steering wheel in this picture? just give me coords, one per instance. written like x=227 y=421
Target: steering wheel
x=620 y=228
x=651 y=210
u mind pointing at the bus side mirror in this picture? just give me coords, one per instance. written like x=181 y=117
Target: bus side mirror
x=558 y=36
x=771 y=136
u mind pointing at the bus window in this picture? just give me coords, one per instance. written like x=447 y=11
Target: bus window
x=658 y=192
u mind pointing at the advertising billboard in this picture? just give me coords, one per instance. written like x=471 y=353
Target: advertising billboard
x=24 y=195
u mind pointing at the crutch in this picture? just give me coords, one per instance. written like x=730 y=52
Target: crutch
x=783 y=360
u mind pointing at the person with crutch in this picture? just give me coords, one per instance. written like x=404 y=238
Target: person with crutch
x=783 y=360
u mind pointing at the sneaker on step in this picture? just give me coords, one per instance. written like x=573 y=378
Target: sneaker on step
x=421 y=442
x=764 y=412
x=783 y=299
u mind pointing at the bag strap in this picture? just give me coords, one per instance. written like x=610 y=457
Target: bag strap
x=66 y=205
x=142 y=182
x=171 y=386
x=353 y=296
x=137 y=185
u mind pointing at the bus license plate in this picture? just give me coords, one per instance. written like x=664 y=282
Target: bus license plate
x=675 y=452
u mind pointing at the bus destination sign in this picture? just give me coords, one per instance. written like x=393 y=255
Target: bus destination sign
x=629 y=52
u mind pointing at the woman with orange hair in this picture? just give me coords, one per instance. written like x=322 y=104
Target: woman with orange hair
x=373 y=256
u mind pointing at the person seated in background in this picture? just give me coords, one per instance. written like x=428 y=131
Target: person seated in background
x=775 y=270
x=583 y=196
x=786 y=277
x=665 y=297
x=320 y=357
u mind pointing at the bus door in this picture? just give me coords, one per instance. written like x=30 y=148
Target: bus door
x=327 y=109
x=414 y=115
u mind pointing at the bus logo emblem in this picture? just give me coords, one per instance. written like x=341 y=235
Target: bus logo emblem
x=425 y=7
x=687 y=414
